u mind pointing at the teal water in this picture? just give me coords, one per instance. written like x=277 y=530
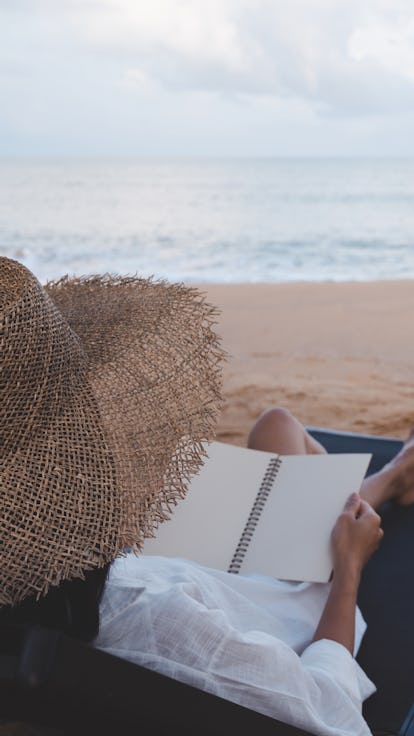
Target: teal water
x=211 y=220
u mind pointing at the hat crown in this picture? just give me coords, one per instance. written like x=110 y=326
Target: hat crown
x=108 y=387
x=13 y=277
x=38 y=353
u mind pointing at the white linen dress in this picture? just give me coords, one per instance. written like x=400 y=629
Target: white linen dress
x=244 y=638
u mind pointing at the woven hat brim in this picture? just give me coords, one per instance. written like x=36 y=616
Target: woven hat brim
x=154 y=363
x=115 y=454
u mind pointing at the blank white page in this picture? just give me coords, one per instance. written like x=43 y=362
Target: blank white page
x=292 y=537
x=206 y=526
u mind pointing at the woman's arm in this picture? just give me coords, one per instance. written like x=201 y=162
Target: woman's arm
x=355 y=537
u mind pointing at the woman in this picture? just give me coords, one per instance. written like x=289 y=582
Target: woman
x=284 y=649
x=109 y=387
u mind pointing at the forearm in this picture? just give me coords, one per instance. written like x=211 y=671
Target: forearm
x=338 y=617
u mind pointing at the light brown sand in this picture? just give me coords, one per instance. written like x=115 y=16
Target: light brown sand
x=336 y=355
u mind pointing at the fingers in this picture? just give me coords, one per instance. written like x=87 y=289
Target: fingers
x=353 y=503
x=360 y=511
x=369 y=519
x=358 y=507
x=365 y=509
x=356 y=534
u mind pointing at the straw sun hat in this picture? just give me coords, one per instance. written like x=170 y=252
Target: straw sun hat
x=109 y=386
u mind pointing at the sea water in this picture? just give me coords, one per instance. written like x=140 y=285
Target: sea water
x=223 y=221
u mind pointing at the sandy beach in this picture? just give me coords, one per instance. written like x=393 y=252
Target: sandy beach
x=338 y=355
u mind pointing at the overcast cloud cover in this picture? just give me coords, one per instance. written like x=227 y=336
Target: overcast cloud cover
x=206 y=77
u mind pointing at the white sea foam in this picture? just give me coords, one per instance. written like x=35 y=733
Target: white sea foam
x=211 y=221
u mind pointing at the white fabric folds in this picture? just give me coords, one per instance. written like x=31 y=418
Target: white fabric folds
x=244 y=638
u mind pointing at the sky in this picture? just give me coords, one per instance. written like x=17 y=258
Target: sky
x=133 y=78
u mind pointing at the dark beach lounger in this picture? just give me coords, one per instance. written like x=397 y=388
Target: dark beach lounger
x=49 y=679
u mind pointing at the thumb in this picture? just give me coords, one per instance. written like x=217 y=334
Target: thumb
x=353 y=503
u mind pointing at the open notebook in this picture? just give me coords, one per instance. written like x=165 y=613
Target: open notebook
x=255 y=512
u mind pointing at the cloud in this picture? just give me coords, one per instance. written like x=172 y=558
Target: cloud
x=390 y=46
x=239 y=77
x=344 y=57
x=191 y=29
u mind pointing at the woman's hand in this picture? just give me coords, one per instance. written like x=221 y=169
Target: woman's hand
x=356 y=535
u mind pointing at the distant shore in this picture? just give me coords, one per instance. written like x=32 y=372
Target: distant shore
x=338 y=355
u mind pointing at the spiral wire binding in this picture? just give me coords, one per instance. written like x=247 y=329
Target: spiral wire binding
x=254 y=516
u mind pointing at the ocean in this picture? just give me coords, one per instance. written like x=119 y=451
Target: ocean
x=220 y=221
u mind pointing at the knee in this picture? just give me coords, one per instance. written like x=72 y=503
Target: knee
x=276 y=416
x=272 y=422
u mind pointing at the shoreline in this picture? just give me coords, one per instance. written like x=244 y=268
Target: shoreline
x=337 y=354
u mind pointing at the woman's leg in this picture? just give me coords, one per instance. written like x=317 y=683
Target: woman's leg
x=395 y=481
x=278 y=431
